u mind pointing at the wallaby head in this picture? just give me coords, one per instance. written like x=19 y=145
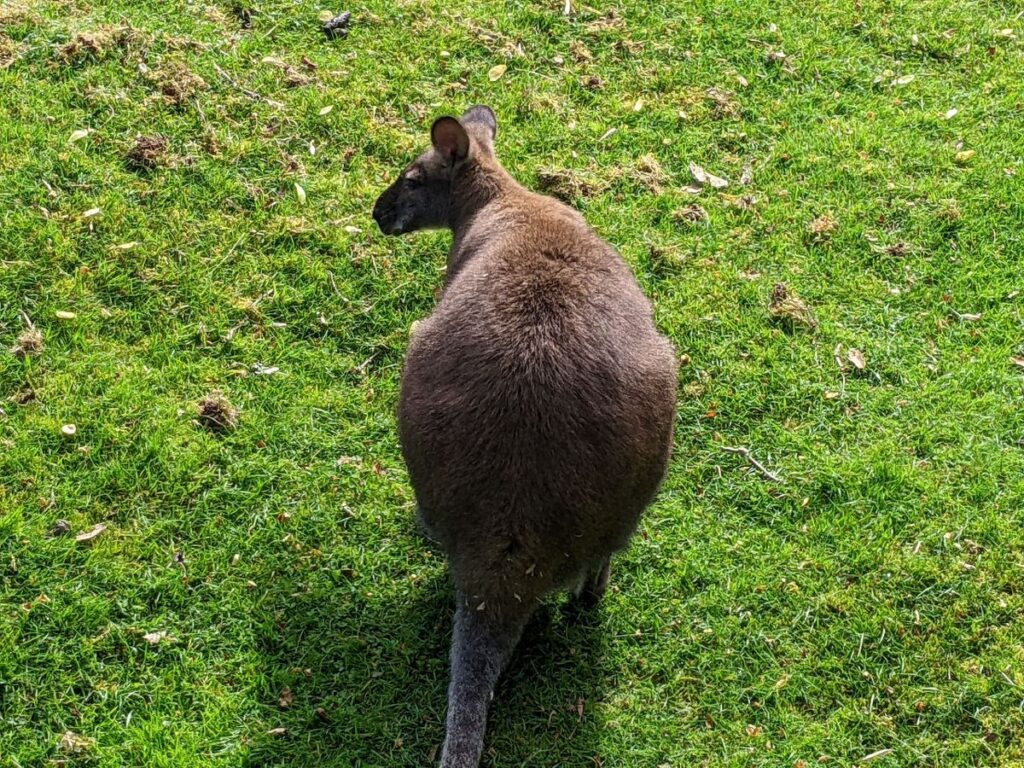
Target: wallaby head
x=431 y=192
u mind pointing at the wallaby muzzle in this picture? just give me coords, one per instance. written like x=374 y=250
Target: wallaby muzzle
x=384 y=212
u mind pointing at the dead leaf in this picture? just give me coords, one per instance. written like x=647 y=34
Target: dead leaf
x=1018 y=361
x=964 y=156
x=326 y=110
x=78 y=135
x=69 y=430
x=277 y=732
x=91 y=212
x=61 y=314
x=903 y=80
x=951 y=113
x=753 y=731
x=60 y=528
x=496 y=72
x=856 y=357
x=92 y=533
x=300 y=193
x=154 y=638
x=286 y=699
x=703 y=177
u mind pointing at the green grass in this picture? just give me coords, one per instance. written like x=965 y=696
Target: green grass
x=873 y=599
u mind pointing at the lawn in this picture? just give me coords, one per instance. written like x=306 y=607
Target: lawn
x=259 y=595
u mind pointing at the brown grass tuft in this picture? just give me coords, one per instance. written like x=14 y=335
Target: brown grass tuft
x=789 y=310
x=30 y=343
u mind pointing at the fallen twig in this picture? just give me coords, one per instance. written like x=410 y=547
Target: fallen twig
x=745 y=453
x=251 y=94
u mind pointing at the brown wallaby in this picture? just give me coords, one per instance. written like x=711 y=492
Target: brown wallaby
x=537 y=404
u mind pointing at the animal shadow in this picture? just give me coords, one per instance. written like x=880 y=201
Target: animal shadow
x=357 y=675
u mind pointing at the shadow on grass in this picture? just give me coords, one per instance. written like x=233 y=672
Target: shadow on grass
x=367 y=673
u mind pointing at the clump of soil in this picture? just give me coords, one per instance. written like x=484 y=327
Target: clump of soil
x=177 y=82
x=147 y=152
x=789 y=310
x=217 y=414
x=338 y=26
x=30 y=343
x=690 y=214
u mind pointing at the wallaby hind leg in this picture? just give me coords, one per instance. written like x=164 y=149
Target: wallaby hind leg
x=594 y=584
x=482 y=644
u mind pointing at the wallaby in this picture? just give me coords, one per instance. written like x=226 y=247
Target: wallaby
x=536 y=409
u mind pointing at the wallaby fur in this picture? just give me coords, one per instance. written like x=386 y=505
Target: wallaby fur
x=537 y=404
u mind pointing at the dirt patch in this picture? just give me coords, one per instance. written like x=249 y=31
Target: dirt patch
x=30 y=344
x=12 y=13
x=146 y=153
x=97 y=44
x=789 y=310
x=176 y=82
x=217 y=414
x=569 y=185
x=9 y=51
x=23 y=396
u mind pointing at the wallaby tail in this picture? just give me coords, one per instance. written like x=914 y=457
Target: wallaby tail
x=482 y=644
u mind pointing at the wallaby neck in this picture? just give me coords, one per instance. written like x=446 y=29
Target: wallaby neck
x=474 y=198
x=474 y=188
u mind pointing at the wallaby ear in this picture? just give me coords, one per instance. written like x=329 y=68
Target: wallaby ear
x=484 y=116
x=450 y=138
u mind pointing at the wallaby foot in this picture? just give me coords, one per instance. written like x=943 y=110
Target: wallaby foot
x=594 y=585
x=482 y=644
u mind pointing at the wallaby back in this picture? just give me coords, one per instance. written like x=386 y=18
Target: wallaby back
x=535 y=416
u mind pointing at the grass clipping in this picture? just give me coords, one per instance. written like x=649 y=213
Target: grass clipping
x=790 y=311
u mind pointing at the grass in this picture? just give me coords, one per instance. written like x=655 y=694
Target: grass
x=871 y=602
